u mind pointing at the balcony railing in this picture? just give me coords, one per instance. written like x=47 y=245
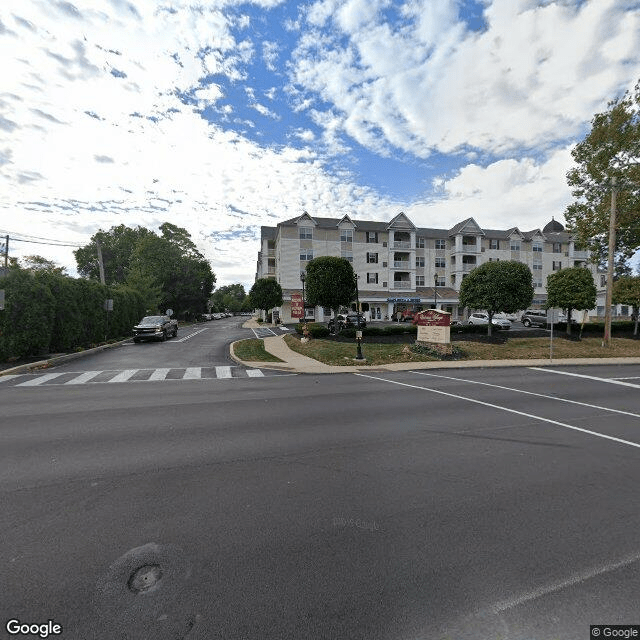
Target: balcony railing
x=401 y=244
x=580 y=255
x=469 y=266
x=401 y=264
x=271 y=253
x=402 y=284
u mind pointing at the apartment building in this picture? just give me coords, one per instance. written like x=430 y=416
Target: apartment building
x=404 y=267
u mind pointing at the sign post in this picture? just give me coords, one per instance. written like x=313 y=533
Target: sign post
x=434 y=329
x=296 y=305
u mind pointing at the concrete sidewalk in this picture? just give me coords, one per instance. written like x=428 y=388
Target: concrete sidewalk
x=296 y=362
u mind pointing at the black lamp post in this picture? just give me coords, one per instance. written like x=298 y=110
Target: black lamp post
x=435 y=285
x=303 y=277
x=359 y=355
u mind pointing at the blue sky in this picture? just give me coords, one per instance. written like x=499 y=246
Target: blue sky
x=222 y=116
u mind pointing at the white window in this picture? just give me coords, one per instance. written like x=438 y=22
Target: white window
x=420 y=243
x=441 y=244
x=537 y=247
x=306 y=254
x=494 y=244
x=372 y=236
x=306 y=233
x=440 y=263
x=538 y=284
x=419 y=262
x=372 y=278
x=346 y=235
x=347 y=255
x=441 y=282
x=537 y=267
x=515 y=245
x=557 y=265
x=557 y=247
x=603 y=280
x=372 y=258
x=419 y=281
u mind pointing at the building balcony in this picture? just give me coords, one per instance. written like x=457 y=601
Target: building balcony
x=401 y=264
x=271 y=253
x=402 y=284
x=401 y=244
x=579 y=255
x=467 y=248
x=469 y=266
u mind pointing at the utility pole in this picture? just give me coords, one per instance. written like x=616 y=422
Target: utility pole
x=612 y=246
x=6 y=253
x=100 y=265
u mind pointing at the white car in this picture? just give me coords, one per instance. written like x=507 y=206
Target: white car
x=481 y=317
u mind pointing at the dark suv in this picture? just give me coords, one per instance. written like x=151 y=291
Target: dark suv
x=347 y=321
x=534 y=317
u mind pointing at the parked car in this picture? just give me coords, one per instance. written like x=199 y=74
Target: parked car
x=408 y=315
x=155 y=328
x=481 y=317
x=347 y=321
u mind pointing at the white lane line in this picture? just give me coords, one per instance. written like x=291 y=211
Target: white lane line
x=255 y=333
x=530 y=393
x=10 y=376
x=581 y=375
x=123 y=376
x=40 y=380
x=628 y=378
x=255 y=373
x=84 y=377
x=192 y=373
x=223 y=372
x=159 y=374
x=569 y=582
x=495 y=406
x=195 y=333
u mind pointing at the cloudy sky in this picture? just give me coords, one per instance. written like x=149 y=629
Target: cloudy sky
x=222 y=115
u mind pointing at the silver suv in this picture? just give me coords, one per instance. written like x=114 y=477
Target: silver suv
x=534 y=317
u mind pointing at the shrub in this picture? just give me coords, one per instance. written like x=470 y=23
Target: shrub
x=316 y=329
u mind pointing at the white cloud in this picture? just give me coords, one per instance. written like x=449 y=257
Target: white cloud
x=536 y=74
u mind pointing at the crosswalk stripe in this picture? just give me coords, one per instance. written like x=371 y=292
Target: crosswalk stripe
x=223 y=372
x=192 y=373
x=123 y=376
x=159 y=374
x=84 y=377
x=9 y=376
x=41 y=380
x=255 y=373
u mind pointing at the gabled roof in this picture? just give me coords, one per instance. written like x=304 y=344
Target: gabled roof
x=514 y=231
x=467 y=226
x=305 y=217
x=401 y=222
x=347 y=219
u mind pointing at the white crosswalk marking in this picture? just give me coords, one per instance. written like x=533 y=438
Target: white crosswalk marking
x=255 y=373
x=41 y=380
x=159 y=374
x=123 y=376
x=84 y=377
x=223 y=372
x=9 y=376
x=192 y=373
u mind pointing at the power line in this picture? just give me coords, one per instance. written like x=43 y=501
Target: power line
x=53 y=244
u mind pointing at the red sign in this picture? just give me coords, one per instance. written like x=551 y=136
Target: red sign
x=433 y=318
x=296 y=305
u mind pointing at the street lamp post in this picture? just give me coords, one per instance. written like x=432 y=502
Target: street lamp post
x=435 y=288
x=359 y=355
x=303 y=277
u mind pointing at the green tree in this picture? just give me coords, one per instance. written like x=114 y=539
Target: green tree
x=39 y=264
x=330 y=282
x=231 y=297
x=571 y=289
x=118 y=246
x=497 y=287
x=626 y=290
x=608 y=151
x=266 y=293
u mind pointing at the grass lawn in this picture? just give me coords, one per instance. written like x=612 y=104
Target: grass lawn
x=253 y=350
x=340 y=353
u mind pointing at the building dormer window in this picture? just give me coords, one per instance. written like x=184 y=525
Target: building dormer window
x=306 y=233
x=346 y=235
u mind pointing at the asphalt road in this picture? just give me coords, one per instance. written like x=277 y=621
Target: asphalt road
x=447 y=504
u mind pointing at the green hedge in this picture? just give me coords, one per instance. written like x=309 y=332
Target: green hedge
x=52 y=313
x=316 y=329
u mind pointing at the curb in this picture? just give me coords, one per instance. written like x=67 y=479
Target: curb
x=278 y=366
x=42 y=364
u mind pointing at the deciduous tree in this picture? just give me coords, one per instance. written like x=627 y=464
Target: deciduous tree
x=266 y=293
x=571 y=289
x=626 y=290
x=498 y=287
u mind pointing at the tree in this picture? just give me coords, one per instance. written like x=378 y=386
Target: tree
x=231 y=297
x=38 y=264
x=626 y=290
x=330 y=282
x=498 y=287
x=610 y=150
x=266 y=293
x=571 y=289
x=118 y=247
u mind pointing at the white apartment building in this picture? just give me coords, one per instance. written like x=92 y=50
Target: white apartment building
x=401 y=266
